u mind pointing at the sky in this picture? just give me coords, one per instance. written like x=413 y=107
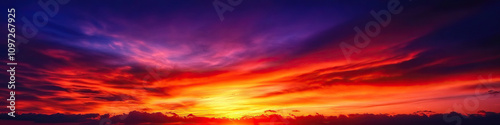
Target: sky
x=265 y=56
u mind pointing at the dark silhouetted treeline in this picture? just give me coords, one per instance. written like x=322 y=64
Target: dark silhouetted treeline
x=135 y=117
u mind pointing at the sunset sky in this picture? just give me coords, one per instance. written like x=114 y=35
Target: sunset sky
x=283 y=56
